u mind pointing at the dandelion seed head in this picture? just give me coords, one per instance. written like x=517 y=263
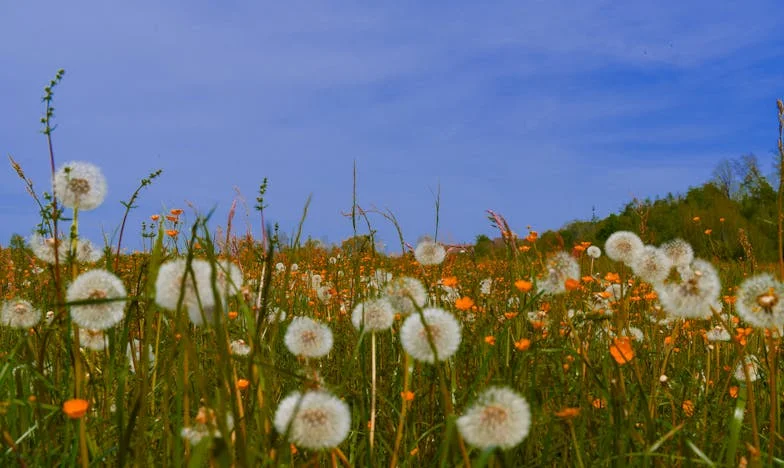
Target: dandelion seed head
x=623 y=246
x=97 y=285
x=93 y=339
x=651 y=265
x=444 y=329
x=697 y=294
x=594 y=252
x=499 y=418
x=759 y=301
x=405 y=294
x=308 y=338
x=429 y=252
x=18 y=313
x=373 y=315
x=80 y=185
x=679 y=252
x=321 y=421
x=560 y=267
x=173 y=277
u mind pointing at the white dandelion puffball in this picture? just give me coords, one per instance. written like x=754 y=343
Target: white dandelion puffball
x=594 y=251
x=44 y=249
x=695 y=296
x=18 y=313
x=229 y=278
x=92 y=339
x=623 y=246
x=485 y=286
x=752 y=365
x=499 y=418
x=561 y=267
x=679 y=252
x=718 y=333
x=444 y=330
x=651 y=265
x=87 y=252
x=322 y=420
x=239 y=348
x=80 y=185
x=308 y=338
x=406 y=294
x=173 y=277
x=108 y=292
x=373 y=315
x=761 y=301
x=428 y=252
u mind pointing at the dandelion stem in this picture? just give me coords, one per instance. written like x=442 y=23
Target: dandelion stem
x=372 y=392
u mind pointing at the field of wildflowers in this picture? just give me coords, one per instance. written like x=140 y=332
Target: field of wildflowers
x=225 y=350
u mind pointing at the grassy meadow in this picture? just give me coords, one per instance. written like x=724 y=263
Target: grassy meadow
x=603 y=350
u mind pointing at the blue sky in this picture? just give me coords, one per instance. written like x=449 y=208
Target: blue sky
x=539 y=110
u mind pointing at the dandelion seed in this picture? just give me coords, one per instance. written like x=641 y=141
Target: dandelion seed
x=561 y=267
x=760 y=302
x=679 y=252
x=623 y=246
x=109 y=293
x=80 y=185
x=46 y=249
x=197 y=295
x=308 y=338
x=239 y=348
x=499 y=418
x=444 y=330
x=428 y=252
x=93 y=339
x=406 y=294
x=651 y=265
x=373 y=315
x=18 y=313
x=206 y=426
x=321 y=420
x=594 y=252
x=695 y=296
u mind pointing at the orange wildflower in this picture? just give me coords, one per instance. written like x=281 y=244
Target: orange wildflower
x=568 y=413
x=579 y=248
x=464 y=303
x=587 y=279
x=172 y=232
x=176 y=211
x=621 y=350
x=721 y=220
x=651 y=296
x=490 y=339
x=730 y=299
x=155 y=217
x=571 y=284
x=524 y=248
x=532 y=236
x=414 y=451
x=75 y=408
x=612 y=277
x=708 y=232
x=173 y=219
x=243 y=384
x=450 y=281
x=523 y=285
x=734 y=391
x=688 y=408
x=233 y=314
x=408 y=395
x=696 y=219
x=598 y=403
x=510 y=315
x=522 y=344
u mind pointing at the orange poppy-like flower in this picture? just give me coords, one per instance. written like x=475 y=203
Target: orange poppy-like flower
x=510 y=315
x=730 y=299
x=708 y=232
x=233 y=314
x=172 y=232
x=75 y=408
x=173 y=219
x=734 y=391
x=587 y=279
x=532 y=236
x=450 y=281
x=612 y=277
x=696 y=219
x=721 y=220
x=414 y=451
x=598 y=403
x=464 y=303
x=571 y=284
x=522 y=344
x=176 y=211
x=688 y=408
x=651 y=296
x=585 y=244
x=293 y=449
x=408 y=395
x=523 y=285
x=243 y=384
x=524 y=248
x=621 y=350
x=490 y=339
x=568 y=413
x=579 y=248
x=155 y=217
